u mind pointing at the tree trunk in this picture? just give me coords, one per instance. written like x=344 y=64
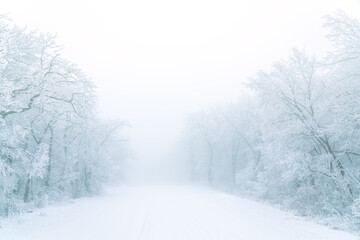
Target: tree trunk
x=49 y=166
x=27 y=189
x=210 y=166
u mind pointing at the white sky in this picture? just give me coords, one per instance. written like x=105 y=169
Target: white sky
x=154 y=62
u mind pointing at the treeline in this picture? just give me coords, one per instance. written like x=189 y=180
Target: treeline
x=52 y=144
x=294 y=139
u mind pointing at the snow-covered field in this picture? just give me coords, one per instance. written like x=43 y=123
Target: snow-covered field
x=164 y=213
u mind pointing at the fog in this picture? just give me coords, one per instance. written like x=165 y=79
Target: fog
x=155 y=62
x=156 y=119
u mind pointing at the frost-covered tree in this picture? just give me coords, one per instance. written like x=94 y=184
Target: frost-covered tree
x=207 y=129
x=299 y=139
x=52 y=144
x=220 y=141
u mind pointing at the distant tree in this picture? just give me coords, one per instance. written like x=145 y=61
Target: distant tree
x=209 y=126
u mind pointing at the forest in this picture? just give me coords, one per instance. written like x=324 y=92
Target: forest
x=53 y=145
x=293 y=137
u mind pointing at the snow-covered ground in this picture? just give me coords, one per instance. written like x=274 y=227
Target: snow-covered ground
x=165 y=213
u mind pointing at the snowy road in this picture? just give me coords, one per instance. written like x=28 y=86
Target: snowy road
x=165 y=213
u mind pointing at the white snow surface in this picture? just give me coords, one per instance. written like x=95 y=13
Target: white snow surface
x=164 y=213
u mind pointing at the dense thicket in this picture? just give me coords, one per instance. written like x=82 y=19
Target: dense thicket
x=295 y=140
x=51 y=143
